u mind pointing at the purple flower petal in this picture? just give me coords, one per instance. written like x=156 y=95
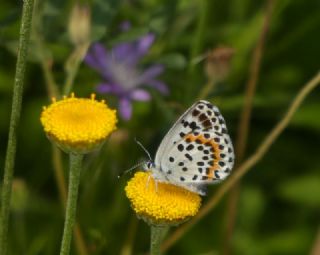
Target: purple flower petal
x=131 y=52
x=104 y=88
x=125 y=108
x=96 y=58
x=123 y=52
x=109 y=88
x=159 y=85
x=140 y=95
x=144 y=44
x=151 y=73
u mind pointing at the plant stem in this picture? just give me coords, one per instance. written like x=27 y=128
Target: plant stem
x=206 y=89
x=247 y=164
x=197 y=44
x=157 y=235
x=131 y=234
x=74 y=180
x=244 y=124
x=14 y=121
x=199 y=33
x=316 y=245
x=44 y=54
x=72 y=66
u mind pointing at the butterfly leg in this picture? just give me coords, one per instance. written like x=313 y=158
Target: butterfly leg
x=155 y=183
x=156 y=186
x=148 y=181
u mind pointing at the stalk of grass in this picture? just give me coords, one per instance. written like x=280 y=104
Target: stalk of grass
x=14 y=121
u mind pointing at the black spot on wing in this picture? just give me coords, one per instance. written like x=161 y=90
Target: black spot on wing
x=202 y=117
x=193 y=125
x=195 y=113
x=188 y=156
x=190 y=147
x=180 y=147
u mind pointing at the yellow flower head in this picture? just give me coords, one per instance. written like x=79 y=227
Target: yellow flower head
x=78 y=125
x=161 y=203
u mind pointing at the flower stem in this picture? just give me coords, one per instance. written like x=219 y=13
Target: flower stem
x=44 y=54
x=206 y=90
x=14 y=121
x=157 y=235
x=72 y=66
x=74 y=180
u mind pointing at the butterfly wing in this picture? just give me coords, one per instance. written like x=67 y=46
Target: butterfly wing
x=197 y=150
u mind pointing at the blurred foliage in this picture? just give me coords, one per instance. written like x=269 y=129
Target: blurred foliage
x=279 y=204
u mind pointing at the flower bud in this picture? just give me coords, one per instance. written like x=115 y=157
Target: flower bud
x=79 y=24
x=217 y=64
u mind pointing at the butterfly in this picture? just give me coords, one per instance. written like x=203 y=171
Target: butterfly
x=196 y=151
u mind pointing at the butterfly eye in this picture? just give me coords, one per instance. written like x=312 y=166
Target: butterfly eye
x=150 y=164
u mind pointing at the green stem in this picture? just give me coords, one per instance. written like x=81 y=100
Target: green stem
x=197 y=45
x=206 y=90
x=72 y=66
x=74 y=180
x=14 y=121
x=157 y=235
x=200 y=32
x=71 y=74
x=45 y=58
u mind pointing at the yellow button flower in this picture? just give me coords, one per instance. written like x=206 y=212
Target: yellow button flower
x=78 y=125
x=161 y=203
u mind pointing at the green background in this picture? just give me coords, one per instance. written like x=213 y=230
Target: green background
x=279 y=206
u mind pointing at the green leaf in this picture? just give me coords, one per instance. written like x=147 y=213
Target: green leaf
x=294 y=241
x=303 y=190
x=251 y=207
x=103 y=12
x=131 y=35
x=174 y=61
x=33 y=51
x=306 y=116
x=12 y=17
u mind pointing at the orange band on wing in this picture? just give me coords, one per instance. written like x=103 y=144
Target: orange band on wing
x=210 y=143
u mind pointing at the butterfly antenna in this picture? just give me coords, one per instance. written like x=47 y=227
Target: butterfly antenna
x=131 y=168
x=145 y=150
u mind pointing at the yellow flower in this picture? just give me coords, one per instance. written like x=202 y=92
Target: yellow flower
x=78 y=125
x=161 y=203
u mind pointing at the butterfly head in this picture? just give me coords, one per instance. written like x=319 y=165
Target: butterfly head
x=149 y=165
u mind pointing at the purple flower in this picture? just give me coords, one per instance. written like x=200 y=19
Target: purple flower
x=121 y=74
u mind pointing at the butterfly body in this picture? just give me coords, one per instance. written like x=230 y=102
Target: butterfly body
x=196 y=151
